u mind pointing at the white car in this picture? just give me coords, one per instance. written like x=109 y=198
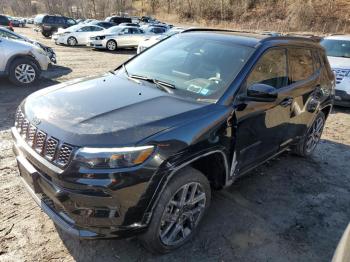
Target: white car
x=22 y=62
x=117 y=37
x=76 y=35
x=152 y=40
x=338 y=53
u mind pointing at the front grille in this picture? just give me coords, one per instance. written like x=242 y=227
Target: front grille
x=56 y=151
x=340 y=74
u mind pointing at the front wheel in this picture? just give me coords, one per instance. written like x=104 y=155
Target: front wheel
x=112 y=45
x=178 y=212
x=23 y=72
x=308 y=143
x=72 y=41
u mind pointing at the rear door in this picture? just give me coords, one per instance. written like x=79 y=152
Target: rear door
x=261 y=126
x=305 y=87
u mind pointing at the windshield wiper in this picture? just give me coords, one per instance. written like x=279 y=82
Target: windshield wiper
x=167 y=87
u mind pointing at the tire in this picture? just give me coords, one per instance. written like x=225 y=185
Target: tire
x=163 y=225
x=111 y=45
x=24 y=72
x=72 y=41
x=46 y=34
x=308 y=143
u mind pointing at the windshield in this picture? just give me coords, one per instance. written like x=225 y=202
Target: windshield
x=338 y=48
x=198 y=68
x=113 y=29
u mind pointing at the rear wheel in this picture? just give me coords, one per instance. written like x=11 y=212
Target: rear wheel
x=112 y=45
x=178 y=212
x=23 y=72
x=313 y=136
x=72 y=41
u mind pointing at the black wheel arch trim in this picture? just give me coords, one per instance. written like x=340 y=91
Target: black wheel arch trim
x=174 y=169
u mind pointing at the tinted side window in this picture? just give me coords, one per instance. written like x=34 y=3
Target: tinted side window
x=271 y=69
x=3 y=20
x=301 y=62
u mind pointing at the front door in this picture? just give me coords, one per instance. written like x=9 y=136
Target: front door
x=2 y=55
x=261 y=126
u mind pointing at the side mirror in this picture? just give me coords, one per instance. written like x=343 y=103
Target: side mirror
x=121 y=33
x=261 y=93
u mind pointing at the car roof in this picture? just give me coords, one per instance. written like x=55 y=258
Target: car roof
x=250 y=38
x=338 y=37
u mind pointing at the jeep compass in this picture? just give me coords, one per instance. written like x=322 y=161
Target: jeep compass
x=138 y=150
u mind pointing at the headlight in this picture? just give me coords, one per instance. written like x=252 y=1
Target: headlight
x=100 y=37
x=114 y=157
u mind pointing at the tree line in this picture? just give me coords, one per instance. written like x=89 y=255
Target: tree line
x=281 y=15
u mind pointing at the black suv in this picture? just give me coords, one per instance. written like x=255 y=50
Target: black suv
x=5 y=22
x=49 y=24
x=138 y=150
x=118 y=19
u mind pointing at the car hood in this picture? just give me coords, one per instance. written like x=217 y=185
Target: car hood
x=339 y=62
x=110 y=108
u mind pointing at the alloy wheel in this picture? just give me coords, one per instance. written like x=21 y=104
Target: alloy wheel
x=72 y=41
x=314 y=134
x=182 y=214
x=111 y=45
x=25 y=73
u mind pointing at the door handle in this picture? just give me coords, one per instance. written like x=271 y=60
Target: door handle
x=287 y=101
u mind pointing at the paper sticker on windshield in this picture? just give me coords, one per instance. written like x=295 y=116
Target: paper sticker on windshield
x=204 y=91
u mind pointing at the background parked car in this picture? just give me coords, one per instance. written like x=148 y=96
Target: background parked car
x=103 y=24
x=76 y=35
x=129 y=24
x=151 y=40
x=22 y=61
x=338 y=52
x=17 y=22
x=5 y=22
x=117 y=37
x=118 y=19
x=12 y=35
x=49 y=24
x=154 y=29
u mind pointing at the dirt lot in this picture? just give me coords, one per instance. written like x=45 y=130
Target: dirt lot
x=291 y=209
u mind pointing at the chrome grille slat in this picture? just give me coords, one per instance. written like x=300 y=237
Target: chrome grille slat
x=64 y=154
x=40 y=140
x=49 y=147
x=24 y=128
x=31 y=134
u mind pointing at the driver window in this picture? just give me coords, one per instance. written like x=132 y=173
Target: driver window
x=271 y=70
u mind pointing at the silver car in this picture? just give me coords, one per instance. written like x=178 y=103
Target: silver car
x=12 y=35
x=117 y=37
x=22 y=62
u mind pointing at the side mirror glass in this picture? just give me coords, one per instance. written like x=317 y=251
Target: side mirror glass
x=262 y=92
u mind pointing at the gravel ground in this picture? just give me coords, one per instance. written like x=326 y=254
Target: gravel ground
x=290 y=209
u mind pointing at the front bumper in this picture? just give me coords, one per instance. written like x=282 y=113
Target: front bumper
x=81 y=212
x=96 y=44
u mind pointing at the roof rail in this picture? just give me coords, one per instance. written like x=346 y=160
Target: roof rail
x=199 y=29
x=312 y=39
